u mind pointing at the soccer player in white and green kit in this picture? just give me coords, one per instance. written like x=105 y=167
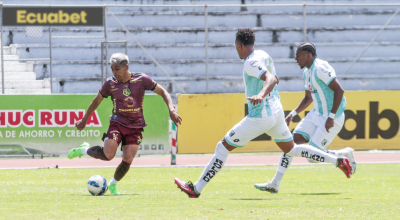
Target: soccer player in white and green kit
x=324 y=122
x=265 y=116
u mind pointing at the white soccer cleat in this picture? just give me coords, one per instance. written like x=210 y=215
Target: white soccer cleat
x=350 y=156
x=269 y=187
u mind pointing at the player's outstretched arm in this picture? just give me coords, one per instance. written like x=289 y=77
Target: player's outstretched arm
x=305 y=102
x=338 y=91
x=159 y=90
x=269 y=84
x=81 y=124
x=338 y=94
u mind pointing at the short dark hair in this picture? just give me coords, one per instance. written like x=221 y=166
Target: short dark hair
x=246 y=36
x=309 y=47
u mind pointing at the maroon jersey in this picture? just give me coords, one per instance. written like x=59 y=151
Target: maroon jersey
x=127 y=98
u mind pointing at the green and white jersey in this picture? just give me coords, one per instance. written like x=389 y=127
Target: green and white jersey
x=317 y=79
x=254 y=66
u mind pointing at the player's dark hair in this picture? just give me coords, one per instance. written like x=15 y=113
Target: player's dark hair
x=309 y=47
x=246 y=36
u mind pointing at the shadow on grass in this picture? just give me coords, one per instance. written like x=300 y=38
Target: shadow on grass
x=114 y=195
x=251 y=199
x=319 y=194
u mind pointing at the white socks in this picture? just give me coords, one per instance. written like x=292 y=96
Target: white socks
x=311 y=152
x=113 y=181
x=283 y=165
x=216 y=163
x=84 y=150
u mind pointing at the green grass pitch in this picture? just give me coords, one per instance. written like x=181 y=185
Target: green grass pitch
x=307 y=192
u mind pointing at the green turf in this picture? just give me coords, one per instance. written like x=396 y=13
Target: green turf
x=307 y=192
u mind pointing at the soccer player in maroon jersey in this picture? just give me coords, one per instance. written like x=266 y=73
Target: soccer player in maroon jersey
x=127 y=91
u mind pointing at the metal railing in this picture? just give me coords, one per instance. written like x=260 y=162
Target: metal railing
x=104 y=44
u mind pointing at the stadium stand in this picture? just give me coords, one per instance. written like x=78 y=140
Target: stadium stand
x=175 y=37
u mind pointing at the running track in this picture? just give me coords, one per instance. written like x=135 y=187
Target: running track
x=362 y=157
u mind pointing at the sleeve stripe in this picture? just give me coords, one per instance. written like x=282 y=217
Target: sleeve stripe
x=330 y=80
x=261 y=74
x=154 y=87
x=102 y=95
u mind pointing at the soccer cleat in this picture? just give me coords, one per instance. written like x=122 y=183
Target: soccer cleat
x=344 y=165
x=187 y=188
x=77 y=152
x=269 y=187
x=113 y=189
x=351 y=158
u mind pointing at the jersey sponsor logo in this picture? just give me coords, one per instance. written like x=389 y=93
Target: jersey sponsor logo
x=312 y=156
x=139 y=140
x=309 y=86
x=324 y=142
x=285 y=133
x=129 y=110
x=326 y=69
x=135 y=80
x=254 y=63
x=212 y=172
x=129 y=102
x=236 y=140
x=126 y=90
x=231 y=133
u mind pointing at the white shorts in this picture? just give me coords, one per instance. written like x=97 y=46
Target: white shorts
x=312 y=128
x=249 y=128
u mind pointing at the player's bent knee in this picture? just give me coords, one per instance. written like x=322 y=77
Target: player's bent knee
x=221 y=149
x=299 y=139
x=226 y=145
x=128 y=160
x=109 y=156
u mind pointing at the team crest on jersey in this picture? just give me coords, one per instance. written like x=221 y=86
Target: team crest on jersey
x=324 y=142
x=126 y=91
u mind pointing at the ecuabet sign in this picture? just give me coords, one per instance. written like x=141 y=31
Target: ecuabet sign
x=54 y=16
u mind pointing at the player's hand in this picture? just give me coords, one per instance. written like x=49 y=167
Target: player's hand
x=80 y=125
x=175 y=117
x=288 y=119
x=329 y=123
x=255 y=99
